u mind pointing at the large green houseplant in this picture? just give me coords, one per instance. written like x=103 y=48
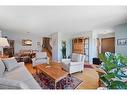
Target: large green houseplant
x=64 y=49
x=114 y=67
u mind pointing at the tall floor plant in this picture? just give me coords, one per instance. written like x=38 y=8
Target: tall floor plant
x=114 y=66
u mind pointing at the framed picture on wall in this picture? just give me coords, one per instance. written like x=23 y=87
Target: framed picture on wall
x=122 y=41
x=38 y=43
x=26 y=42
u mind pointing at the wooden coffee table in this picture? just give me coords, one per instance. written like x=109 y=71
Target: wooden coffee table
x=53 y=71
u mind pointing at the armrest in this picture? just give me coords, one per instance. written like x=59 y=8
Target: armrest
x=12 y=84
x=66 y=60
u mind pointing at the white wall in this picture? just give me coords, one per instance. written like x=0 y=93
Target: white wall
x=55 y=53
x=57 y=39
x=120 y=33
x=108 y=35
x=68 y=39
x=18 y=40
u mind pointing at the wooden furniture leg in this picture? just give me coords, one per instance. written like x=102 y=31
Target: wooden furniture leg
x=55 y=85
x=37 y=72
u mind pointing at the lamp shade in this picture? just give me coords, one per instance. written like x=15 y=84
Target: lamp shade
x=3 y=42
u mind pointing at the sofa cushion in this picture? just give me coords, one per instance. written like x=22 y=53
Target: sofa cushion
x=10 y=63
x=2 y=68
x=12 y=84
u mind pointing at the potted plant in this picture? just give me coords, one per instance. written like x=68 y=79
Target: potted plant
x=64 y=49
x=114 y=67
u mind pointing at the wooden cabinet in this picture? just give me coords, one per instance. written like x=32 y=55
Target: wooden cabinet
x=9 y=50
x=78 y=45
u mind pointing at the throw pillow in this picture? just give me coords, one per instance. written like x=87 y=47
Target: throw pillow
x=10 y=63
x=2 y=68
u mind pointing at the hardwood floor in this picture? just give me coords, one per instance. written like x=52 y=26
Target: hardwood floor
x=89 y=77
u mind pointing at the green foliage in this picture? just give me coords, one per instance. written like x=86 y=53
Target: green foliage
x=113 y=65
x=64 y=49
x=117 y=85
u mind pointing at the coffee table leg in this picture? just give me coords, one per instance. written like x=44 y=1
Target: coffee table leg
x=37 y=71
x=55 y=85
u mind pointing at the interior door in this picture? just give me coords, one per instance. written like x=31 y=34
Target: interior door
x=108 y=45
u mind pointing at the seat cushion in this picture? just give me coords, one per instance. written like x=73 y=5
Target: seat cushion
x=2 y=68
x=10 y=63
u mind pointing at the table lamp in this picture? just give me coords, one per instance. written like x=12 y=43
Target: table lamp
x=3 y=43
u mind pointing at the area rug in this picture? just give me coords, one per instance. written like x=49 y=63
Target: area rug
x=45 y=82
x=88 y=66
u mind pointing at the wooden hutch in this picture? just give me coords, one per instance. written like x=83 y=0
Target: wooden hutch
x=80 y=45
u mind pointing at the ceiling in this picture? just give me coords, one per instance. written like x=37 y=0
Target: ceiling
x=44 y=20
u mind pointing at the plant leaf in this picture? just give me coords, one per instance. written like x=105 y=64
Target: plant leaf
x=102 y=57
x=117 y=85
x=105 y=80
x=109 y=76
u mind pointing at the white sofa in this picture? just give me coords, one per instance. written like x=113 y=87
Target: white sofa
x=75 y=64
x=18 y=78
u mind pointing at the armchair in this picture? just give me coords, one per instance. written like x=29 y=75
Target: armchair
x=40 y=58
x=73 y=65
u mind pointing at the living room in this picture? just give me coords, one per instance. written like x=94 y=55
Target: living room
x=71 y=34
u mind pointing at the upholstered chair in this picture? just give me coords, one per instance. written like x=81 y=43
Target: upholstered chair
x=75 y=64
x=40 y=58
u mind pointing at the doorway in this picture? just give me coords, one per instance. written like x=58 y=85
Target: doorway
x=47 y=47
x=108 y=45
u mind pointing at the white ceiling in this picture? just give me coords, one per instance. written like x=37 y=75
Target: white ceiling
x=69 y=19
